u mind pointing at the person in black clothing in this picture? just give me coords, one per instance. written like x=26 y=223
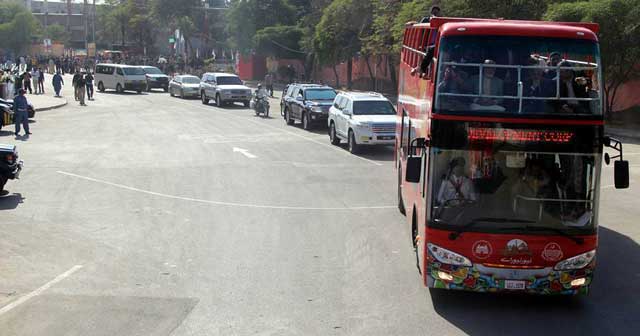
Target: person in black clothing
x=572 y=87
x=435 y=12
x=89 y=83
x=75 y=85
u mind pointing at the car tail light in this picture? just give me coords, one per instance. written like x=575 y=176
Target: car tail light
x=10 y=158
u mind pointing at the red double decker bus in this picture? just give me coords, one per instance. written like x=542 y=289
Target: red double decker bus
x=499 y=145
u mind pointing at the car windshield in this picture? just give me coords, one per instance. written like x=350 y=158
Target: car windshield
x=497 y=179
x=153 y=71
x=320 y=94
x=515 y=75
x=228 y=80
x=191 y=80
x=373 y=108
x=133 y=71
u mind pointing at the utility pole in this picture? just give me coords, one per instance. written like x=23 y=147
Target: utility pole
x=86 y=26
x=93 y=23
x=69 y=17
x=46 y=15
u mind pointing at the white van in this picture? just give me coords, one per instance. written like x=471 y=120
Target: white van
x=120 y=77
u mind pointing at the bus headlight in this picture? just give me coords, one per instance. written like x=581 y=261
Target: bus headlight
x=577 y=262
x=447 y=257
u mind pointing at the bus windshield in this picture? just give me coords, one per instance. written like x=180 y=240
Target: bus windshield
x=518 y=75
x=519 y=191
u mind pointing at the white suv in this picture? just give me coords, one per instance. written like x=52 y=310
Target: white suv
x=362 y=118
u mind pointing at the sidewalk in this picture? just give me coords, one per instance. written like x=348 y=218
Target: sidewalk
x=47 y=101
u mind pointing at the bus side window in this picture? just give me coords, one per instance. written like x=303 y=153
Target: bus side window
x=429 y=50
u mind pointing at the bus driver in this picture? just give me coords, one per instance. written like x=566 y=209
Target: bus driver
x=456 y=186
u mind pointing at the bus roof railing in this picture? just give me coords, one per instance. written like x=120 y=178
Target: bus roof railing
x=436 y=22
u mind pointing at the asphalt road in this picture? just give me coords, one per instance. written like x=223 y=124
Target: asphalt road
x=151 y=215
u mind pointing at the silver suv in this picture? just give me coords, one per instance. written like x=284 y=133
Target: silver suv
x=224 y=88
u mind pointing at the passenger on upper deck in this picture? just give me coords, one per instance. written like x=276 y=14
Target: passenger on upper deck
x=452 y=82
x=491 y=86
x=435 y=12
x=536 y=85
x=554 y=59
x=571 y=87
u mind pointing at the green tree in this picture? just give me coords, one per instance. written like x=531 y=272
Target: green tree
x=619 y=37
x=18 y=28
x=246 y=17
x=339 y=32
x=280 y=42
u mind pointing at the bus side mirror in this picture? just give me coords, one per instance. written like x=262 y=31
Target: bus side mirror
x=414 y=169
x=621 y=174
x=620 y=167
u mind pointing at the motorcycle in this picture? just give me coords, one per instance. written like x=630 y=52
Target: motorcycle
x=10 y=165
x=261 y=105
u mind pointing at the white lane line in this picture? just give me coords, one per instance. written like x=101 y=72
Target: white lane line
x=230 y=204
x=39 y=291
x=262 y=124
x=244 y=152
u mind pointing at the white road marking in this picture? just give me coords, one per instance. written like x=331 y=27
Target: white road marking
x=244 y=152
x=336 y=148
x=230 y=204
x=39 y=291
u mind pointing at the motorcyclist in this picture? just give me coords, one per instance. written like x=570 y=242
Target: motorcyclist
x=260 y=94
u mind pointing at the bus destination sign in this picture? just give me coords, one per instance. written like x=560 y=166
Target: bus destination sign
x=519 y=135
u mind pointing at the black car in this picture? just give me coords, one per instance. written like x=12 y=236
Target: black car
x=156 y=79
x=308 y=103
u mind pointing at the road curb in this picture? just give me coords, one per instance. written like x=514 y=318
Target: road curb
x=53 y=107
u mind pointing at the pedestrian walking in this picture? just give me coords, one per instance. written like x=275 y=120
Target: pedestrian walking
x=89 y=79
x=74 y=83
x=20 y=113
x=57 y=83
x=35 y=75
x=41 y=81
x=81 y=85
x=27 y=82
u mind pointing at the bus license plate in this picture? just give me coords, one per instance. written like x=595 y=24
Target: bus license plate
x=514 y=284
x=389 y=137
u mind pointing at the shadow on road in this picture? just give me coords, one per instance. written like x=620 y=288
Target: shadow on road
x=10 y=202
x=6 y=133
x=611 y=308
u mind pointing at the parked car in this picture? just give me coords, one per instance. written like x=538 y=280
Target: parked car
x=224 y=88
x=184 y=86
x=362 y=119
x=120 y=77
x=156 y=79
x=9 y=102
x=308 y=103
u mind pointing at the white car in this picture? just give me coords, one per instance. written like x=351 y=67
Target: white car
x=362 y=119
x=120 y=77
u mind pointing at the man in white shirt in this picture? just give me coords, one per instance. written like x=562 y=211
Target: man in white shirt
x=456 y=186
